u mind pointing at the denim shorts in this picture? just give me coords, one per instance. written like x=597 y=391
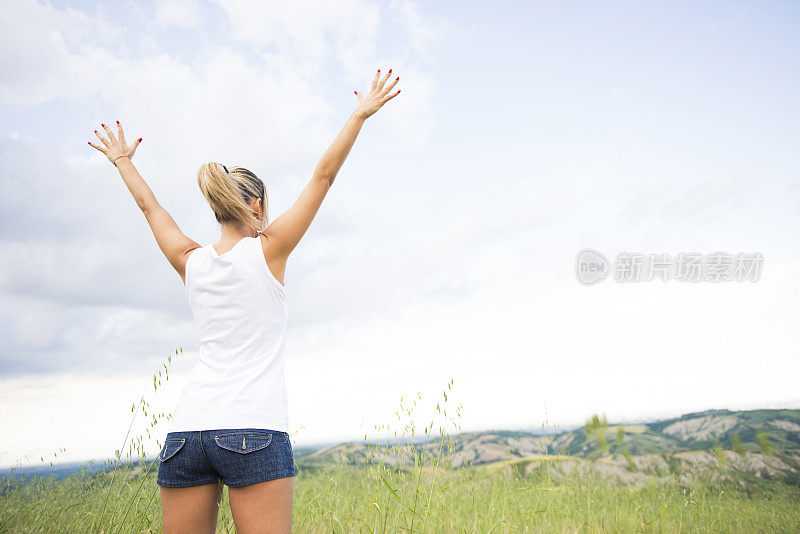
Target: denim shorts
x=238 y=456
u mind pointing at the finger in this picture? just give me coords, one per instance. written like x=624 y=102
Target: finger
x=383 y=81
x=97 y=147
x=390 y=87
x=134 y=145
x=110 y=135
x=375 y=80
x=103 y=139
x=391 y=96
x=358 y=95
x=119 y=133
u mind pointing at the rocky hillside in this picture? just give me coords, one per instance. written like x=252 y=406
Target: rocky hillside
x=760 y=432
x=753 y=430
x=685 y=467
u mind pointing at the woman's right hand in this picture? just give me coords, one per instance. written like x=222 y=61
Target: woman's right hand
x=115 y=147
x=378 y=95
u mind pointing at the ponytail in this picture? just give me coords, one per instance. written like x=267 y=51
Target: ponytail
x=229 y=192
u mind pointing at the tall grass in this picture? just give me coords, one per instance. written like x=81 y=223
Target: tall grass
x=345 y=498
x=472 y=500
x=415 y=480
x=97 y=498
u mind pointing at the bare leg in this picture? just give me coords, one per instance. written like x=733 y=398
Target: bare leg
x=192 y=509
x=263 y=508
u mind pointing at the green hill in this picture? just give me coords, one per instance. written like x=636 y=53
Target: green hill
x=694 y=431
x=757 y=431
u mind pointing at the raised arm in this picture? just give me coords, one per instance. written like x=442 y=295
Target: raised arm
x=170 y=239
x=283 y=234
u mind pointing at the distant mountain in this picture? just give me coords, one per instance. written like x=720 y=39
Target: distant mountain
x=769 y=431
x=694 y=431
x=761 y=442
x=57 y=471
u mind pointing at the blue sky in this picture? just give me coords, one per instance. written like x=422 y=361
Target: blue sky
x=525 y=132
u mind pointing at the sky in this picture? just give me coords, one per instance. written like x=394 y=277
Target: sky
x=525 y=132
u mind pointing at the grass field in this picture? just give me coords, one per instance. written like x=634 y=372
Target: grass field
x=401 y=488
x=377 y=498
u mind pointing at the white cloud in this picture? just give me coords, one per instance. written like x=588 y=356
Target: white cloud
x=180 y=13
x=423 y=31
x=87 y=415
x=270 y=115
x=46 y=53
x=312 y=33
x=445 y=248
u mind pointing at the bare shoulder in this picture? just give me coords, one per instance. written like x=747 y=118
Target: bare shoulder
x=269 y=244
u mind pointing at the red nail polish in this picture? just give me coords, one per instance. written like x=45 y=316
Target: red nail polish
x=117 y=122
x=397 y=78
x=390 y=71
x=379 y=70
x=95 y=131
x=398 y=91
x=356 y=92
x=140 y=139
x=89 y=142
x=103 y=125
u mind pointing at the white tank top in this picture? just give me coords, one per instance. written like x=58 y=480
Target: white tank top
x=240 y=312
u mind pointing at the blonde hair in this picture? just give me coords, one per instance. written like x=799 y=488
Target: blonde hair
x=229 y=191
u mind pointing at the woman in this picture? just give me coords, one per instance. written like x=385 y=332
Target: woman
x=230 y=425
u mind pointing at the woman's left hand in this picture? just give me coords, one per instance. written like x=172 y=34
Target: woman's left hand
x=378 y=95
x=114 y=148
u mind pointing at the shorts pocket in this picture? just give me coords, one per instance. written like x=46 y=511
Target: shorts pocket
x=243 y=441
x=171 y=446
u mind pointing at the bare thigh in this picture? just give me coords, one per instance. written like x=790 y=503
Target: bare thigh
x=265 y=507
x=192 y=509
